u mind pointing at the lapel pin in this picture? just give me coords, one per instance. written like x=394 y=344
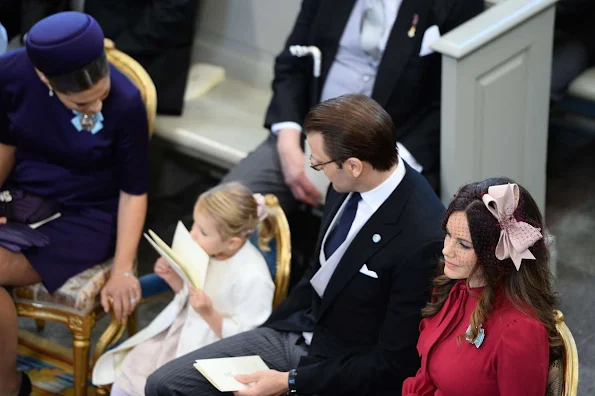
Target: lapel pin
x=376 y=238
x=413 y=27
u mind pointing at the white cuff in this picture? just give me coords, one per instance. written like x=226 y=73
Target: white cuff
x=276 y=127
x=409 y=158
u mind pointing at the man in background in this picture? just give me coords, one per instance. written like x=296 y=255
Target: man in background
x=156 y=33
x=574 y=43
x=380 y=48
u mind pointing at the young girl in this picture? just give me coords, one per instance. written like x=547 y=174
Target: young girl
x=490 y=328
x=237 y=296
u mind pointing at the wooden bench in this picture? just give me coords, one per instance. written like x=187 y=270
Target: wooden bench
x=220 y=127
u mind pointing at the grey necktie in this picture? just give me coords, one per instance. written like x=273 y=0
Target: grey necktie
x=372 y=27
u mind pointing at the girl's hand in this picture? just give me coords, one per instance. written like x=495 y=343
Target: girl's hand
x=165 y=272
x=200 y=301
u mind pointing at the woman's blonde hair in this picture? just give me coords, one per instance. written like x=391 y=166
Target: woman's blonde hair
x=236 y=212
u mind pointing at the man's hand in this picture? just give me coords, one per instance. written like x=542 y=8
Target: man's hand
x=123 y=292
x=292 y=160
x=266 y=383
x=165 y=272
x=2 y=220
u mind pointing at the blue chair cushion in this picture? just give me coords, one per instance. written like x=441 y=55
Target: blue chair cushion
x=271 y=256
x=152 y=285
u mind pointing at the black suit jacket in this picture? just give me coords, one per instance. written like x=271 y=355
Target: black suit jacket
x=574 y=21
x=156 y=33
x=366 y=329
x=407 y=85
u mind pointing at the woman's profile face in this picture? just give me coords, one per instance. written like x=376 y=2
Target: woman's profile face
x=89 y=101
x=459 y=255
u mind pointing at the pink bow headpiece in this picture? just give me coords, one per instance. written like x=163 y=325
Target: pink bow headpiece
x=515 y=236
x=261 y=211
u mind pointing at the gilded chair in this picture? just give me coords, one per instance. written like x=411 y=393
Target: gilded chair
x=77 y=304
x=563 y=375
x=277 y=255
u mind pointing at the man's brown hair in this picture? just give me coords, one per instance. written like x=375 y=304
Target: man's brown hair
x=356 y=126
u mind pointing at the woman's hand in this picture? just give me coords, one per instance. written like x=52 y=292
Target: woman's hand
x=200 y=301
x=124 y=293
x=165 y=272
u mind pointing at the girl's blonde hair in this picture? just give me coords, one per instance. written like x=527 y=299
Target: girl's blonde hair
x=235 y=210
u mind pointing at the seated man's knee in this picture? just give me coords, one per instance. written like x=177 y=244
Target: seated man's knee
x=156 y=384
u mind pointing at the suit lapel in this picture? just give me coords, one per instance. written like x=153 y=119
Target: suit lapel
x=385 y=222
x=398 y=51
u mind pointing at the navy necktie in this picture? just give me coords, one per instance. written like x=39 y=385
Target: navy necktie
x=342 y=225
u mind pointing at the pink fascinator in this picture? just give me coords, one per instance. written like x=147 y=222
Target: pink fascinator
x=515 y=236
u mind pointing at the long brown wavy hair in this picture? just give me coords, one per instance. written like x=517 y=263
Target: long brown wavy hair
x=529 y=289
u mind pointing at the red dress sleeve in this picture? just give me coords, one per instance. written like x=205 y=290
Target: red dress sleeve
x=420 y=385
x=523 y=359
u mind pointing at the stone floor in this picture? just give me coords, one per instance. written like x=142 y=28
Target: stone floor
x=570 y=216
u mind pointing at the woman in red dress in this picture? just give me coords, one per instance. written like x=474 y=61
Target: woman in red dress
x=490 y=328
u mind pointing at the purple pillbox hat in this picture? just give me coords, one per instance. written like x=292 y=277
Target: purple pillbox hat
x=64 y=42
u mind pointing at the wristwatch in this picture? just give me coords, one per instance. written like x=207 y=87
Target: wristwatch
x=291 y=382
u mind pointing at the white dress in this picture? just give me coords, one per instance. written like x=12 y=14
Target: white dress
x=241 y=290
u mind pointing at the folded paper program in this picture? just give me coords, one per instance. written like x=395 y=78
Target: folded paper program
x=221 y=371
x=185 y=256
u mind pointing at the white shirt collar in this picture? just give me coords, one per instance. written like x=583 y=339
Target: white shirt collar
x=376 y=197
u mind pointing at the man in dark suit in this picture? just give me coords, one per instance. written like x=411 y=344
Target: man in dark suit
x=156 y=33
x=20 y=15
x=380 y=48
x=574 y=43
x=350 y=327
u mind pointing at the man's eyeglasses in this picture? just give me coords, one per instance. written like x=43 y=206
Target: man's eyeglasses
x=318 y=167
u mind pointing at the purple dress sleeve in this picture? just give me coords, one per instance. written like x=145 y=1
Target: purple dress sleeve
x=133 y=148
x=5 y=137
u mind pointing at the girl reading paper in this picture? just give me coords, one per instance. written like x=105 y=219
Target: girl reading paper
x=237 y=295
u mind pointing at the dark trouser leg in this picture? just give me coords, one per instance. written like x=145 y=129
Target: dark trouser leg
x=278 y=350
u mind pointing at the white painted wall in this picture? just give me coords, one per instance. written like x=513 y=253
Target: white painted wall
x=244 y=36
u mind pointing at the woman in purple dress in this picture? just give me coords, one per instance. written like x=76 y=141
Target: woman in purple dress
x=73 y=130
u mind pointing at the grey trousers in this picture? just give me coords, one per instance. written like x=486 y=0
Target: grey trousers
x=280 y=351
x=261 y=172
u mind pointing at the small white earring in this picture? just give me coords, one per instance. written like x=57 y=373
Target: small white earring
x=51 y=93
